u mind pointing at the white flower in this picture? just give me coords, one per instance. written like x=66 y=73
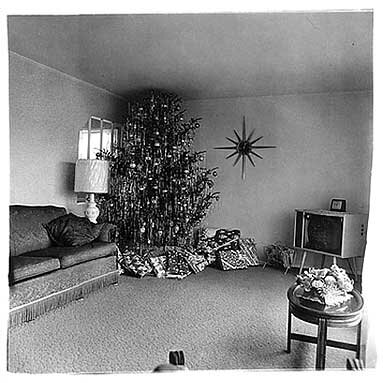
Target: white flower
x=348 y=285
x=330 y=280
x=317 y=283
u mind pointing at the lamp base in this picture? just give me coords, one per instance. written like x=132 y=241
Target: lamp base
x=92 y=211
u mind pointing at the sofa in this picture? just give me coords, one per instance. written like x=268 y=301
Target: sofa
x=44 y=275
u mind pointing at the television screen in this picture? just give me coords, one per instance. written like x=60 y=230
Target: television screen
x=324 y=233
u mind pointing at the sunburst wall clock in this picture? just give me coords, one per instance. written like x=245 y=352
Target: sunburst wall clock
x=244 y=147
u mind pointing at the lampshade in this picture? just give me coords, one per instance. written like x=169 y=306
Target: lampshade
x=91 y=176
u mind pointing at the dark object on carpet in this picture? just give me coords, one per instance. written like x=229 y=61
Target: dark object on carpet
x=168 y=367
x=176 y=363
x=354 y=364
x=177 y=358
x=43 y=276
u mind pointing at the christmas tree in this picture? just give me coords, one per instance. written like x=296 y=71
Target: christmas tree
x=159 y=189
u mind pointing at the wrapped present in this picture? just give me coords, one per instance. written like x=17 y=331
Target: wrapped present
x=207 y=253
x=157 y=259
x=210 y=256
x=158 y=264
x=212 y=240
x=248 y=248
x=205 y=248
x=135 y=264
x=197 y=262
x=176 y=263
x=227 y=239
x=231 y=260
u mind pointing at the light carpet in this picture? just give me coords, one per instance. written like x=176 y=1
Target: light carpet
x=220 y=319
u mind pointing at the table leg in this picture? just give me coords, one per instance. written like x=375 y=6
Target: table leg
x=288 y=348
x=303 y=261
x=334 y=260
x=355 y=269
x=358 y=339
x=321 y=344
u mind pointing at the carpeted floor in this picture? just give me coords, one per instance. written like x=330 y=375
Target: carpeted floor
x=221 y=320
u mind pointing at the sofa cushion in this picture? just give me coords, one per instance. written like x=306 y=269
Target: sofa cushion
x=24 y=267
x=93 y=250
x=26 y=227
x=73 y=255
x=71 y=230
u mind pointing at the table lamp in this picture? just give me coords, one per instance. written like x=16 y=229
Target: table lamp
x=91 y=177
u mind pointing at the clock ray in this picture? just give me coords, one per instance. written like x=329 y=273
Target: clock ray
x=243 y=167
x=250 y=135
x=244 y=148
x=257 y=139
x=225 y=147
x=239 y=138
x=256 y=154
x=237 y=159
x=231 y=140
x=250 y=159
x=231 y=155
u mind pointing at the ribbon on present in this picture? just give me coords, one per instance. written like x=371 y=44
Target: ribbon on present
x=231 y=260
x=248 y=247
x=227 y=239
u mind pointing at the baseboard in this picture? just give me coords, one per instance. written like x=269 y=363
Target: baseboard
x=32 y=310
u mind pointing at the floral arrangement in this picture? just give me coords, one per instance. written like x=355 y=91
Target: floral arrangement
x=330 y=286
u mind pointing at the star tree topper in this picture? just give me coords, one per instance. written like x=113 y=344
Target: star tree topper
x=244 y=148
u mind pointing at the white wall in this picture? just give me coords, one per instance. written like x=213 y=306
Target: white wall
x=47 y=109
x=324 y=146
x=324 y=149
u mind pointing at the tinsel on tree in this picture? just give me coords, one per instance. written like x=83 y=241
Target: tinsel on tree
x=159 y=188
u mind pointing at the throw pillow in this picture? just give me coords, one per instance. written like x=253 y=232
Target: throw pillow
x=71 y=230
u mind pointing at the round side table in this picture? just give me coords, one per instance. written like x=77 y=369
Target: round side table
x=348 y=314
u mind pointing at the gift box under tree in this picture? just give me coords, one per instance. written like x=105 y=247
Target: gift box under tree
x=248 y=247
x=231 y=260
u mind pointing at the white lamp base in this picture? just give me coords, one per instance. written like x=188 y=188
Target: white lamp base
x=92 y=211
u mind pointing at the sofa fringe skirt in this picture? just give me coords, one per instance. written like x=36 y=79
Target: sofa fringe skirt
x=32 y=310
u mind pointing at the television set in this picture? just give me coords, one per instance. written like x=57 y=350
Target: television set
x=333 y=233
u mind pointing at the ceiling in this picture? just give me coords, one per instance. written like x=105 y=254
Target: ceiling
x=201 y=56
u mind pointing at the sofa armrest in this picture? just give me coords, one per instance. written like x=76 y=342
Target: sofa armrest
x=108 y=233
